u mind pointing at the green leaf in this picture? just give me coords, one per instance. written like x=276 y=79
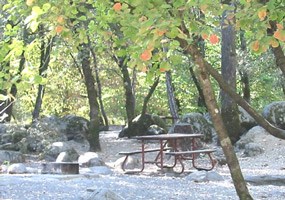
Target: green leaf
x=38 y=79
x=46 y=7
x=36 y=10
x=3 y=97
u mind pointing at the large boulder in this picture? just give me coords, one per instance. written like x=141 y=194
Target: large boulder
x=275 y=113
x=246 y=121
x=40 y=136
x=140 y=126
x=194 y=123
x=11 y=157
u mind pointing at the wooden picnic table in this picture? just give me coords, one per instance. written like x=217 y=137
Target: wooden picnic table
x=167 y=142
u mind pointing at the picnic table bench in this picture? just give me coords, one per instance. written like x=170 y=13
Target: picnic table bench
x=169 y=142
x=191 y=155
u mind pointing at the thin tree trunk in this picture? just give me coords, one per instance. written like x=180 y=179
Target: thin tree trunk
x=148 y=96
x=130 y=101
x=243 y=72
x=233 y=164
x=171 y=97
x=94 y=127
x=229 y=109
x=201 y=98
x=44 y=63
x=99 y=86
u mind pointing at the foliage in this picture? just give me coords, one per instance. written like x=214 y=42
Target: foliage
x=147 y=35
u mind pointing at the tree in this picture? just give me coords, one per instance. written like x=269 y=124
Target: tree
x=45 y=49
x=229 y=109
x=94 y=126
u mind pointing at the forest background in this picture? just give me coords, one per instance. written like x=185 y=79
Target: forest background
x=112 y=60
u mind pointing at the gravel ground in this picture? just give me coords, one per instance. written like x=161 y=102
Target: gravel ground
x=150 y=185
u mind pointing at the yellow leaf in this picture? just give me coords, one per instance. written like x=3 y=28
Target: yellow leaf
x=262 y=14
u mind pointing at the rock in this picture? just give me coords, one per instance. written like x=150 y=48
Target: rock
x=275 y=113
x=155 y=130
x=251 y=136
x=246 y=121
x=90 y=159
x=131 y=163
x=56 y=148
x=11 y=156
x=103 y=194
x=204 y=176
x=97 y=170
x=3 y=169
x=140 y=125
x=17 y=168
x=198 y=123
x=68 y=156
x=75 y=125
x=253 y=149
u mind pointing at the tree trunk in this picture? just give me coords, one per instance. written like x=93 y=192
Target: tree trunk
x=171 y=97
x=130 y=101
x=229 y=109
x=101 y=104
x=233 y=164
x=201 y=98
x=277 y=132
x=44 y=63
x=148 y=96
x=94 y=127
x=243 y=72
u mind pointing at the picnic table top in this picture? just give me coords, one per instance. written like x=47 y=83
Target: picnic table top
x=168 y=136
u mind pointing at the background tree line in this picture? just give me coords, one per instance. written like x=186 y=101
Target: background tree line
x=112 y=60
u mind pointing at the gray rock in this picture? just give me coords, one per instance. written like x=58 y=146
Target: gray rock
x=97 y=170
x=67 y=156
x=11 y=156
x=275 y=113
x=204 y=176
x=253 y=149
x=17 y=168
x=198 y=123
x=90 y=159
x=104 y=194
x=131 y=163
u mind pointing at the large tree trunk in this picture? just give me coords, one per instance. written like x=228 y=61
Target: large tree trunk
x=171 y=97
x=229 y=109
x=233 y=164
x=94 y=127
x=277 y=132
x=44 y=63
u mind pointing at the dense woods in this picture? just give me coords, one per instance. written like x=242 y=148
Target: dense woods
x=109 y=61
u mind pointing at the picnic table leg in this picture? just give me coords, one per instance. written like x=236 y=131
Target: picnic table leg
x=206 y=169
x=143 y=155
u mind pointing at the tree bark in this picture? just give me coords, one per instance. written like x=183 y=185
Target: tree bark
x=171 y=97
x=277 y=132
x=243 y=72
x=130 y=101
x=229 y=109
x=148 y=96
x=44 y=63
x=99 y=87
x=232 y=161
x=94 y=126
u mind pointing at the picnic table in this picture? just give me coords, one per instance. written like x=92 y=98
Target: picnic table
x=168 y=145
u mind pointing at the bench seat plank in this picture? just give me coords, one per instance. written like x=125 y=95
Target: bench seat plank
x=190 y=152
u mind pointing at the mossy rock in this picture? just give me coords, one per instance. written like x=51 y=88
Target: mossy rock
x=141 y=124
